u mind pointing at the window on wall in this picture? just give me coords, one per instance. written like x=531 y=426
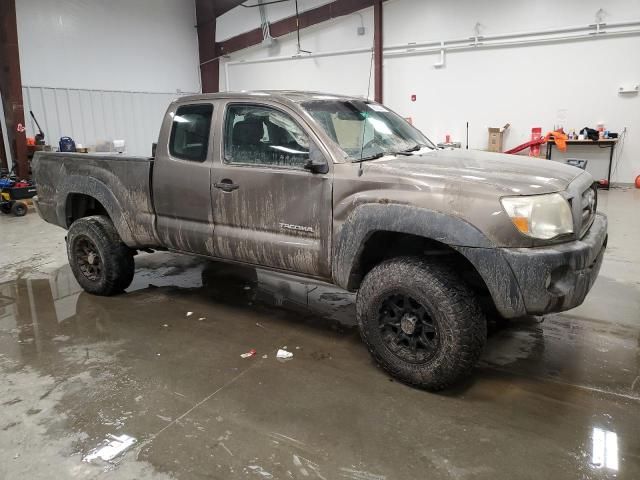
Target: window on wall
x=258 y=135
x=190 y=132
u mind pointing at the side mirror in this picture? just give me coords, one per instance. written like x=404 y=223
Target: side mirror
x=315 y=166
x=316 y=163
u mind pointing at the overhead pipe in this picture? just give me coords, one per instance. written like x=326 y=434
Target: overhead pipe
x=296 y=56
x=484 y=38
x=468 y=43
x=497 y=44
x=440 y=63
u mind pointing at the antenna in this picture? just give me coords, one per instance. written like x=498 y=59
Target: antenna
x=364 y=123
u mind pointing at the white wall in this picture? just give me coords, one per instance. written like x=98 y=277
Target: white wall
x=93 y=117
x=528 y=86
x=109 y=68
x=340 y=73
x=143 y=45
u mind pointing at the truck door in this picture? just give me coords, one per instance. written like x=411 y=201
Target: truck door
x=267 y=208
x=182 y=179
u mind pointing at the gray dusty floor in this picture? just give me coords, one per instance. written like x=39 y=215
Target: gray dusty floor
x=553 y=398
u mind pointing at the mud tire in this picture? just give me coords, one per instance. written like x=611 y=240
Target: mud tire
x=19 y=209
x=448 y=301
x=115 y=258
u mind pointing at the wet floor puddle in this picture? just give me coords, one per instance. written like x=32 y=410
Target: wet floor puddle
x=162 y=364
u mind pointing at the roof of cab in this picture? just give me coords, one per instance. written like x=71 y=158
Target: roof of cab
x=295 y=96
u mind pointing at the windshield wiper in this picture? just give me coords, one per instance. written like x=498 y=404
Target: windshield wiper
x=417 y=147
x=409 y=151
x=370 y=157
x=406 y=153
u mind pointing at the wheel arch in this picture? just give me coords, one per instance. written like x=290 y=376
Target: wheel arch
x=373 y=233
x=79 y=205
x=84 y=196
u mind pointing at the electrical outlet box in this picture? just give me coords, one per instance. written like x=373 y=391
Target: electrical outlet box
x=361 y=31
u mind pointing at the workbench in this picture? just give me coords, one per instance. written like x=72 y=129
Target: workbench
x=604 y=143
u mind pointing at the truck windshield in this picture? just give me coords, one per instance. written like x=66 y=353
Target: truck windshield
x=366 y=130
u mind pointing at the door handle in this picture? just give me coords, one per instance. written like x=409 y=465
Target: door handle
x=226 y=185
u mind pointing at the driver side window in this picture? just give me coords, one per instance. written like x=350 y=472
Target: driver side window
x=259 y=135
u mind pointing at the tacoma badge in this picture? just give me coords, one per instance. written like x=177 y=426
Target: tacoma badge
x=297 y=228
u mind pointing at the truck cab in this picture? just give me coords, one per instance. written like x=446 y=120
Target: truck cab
x=232 y=179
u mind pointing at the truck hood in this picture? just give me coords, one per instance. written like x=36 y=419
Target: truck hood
x=511 y=174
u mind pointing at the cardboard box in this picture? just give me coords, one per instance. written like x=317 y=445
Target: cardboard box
x=495 y=138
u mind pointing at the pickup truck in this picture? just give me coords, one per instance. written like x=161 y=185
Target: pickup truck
x=343 y=190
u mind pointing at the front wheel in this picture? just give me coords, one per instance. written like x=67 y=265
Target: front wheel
x=420 y=322
x=101 y=263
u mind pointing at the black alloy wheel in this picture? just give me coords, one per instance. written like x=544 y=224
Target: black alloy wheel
x=407 y=329
x=88 y=259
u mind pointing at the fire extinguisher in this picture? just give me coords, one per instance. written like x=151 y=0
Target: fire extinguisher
x=536 y=133
x=638 y=181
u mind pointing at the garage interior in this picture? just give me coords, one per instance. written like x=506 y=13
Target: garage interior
x=180 y=376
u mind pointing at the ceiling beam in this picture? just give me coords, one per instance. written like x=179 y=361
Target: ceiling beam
x=223 y=6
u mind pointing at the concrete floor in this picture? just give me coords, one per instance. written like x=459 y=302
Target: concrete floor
x=556 y=398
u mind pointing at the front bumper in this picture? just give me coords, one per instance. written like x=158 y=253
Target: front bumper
x=558 y=278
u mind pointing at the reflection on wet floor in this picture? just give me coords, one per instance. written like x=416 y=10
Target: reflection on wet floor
x=560 y=393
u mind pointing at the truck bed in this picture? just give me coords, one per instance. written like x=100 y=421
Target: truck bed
x=120 y=183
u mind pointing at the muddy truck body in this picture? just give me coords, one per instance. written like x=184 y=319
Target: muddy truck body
x=343 y=190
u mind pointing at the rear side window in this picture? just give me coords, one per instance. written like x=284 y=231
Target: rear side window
x=190 y=132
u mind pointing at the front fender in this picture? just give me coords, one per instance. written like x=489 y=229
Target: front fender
x=453 y=231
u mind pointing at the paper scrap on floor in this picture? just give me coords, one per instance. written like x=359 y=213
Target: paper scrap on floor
x=284 y=354
x=114 y=446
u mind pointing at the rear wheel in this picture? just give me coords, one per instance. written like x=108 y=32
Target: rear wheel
x=101 y=263
x=5 y=208
x=19 y=209
x=421 y=322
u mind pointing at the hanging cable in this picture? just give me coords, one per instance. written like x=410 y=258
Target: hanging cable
x=300 y=50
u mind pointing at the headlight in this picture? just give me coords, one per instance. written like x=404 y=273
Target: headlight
x=540 y=216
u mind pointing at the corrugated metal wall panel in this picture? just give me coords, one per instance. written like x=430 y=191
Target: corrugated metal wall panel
x=93 y=116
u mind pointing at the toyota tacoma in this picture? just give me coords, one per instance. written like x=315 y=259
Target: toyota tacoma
x=343 y=190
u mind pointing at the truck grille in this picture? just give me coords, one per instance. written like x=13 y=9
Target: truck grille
x=588 y=206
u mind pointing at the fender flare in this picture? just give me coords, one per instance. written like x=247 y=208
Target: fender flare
x=452 y=231
x=93 y=187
